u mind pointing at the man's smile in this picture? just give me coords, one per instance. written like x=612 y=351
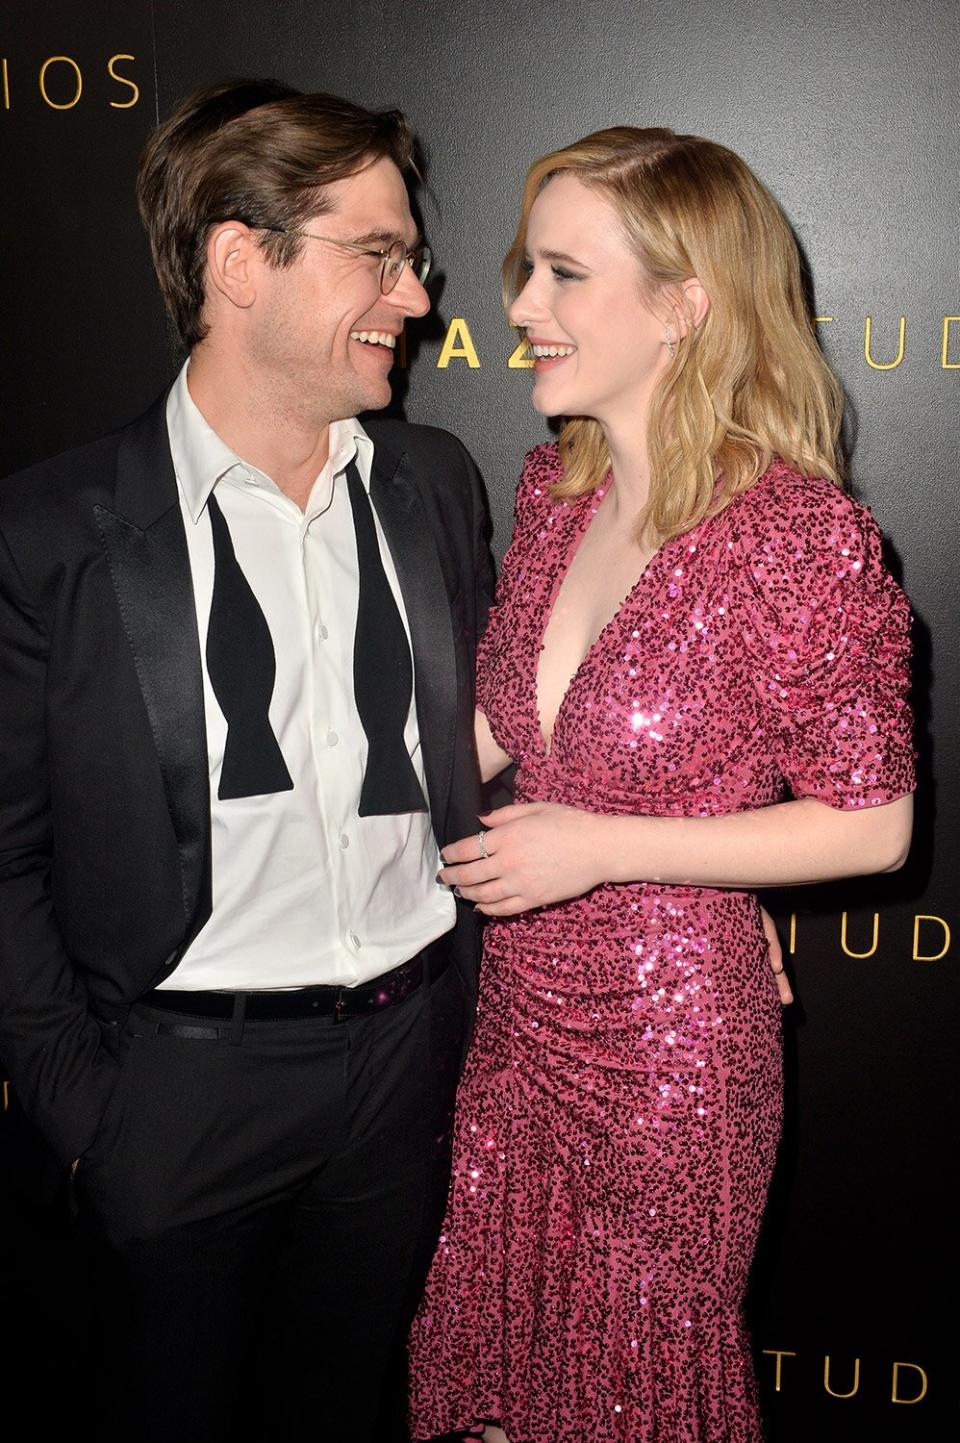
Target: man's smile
x=375 y=338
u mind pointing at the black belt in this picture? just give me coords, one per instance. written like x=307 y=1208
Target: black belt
x=340 y=1002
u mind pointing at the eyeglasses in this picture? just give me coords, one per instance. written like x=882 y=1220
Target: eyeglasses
x=392 y=260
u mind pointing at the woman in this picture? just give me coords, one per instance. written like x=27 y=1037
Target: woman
x=620 y=1109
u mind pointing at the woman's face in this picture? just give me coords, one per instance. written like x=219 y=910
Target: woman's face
x=584 y=298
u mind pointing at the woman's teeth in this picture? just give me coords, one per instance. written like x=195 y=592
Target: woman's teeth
x=542 y=352
x=375 y=338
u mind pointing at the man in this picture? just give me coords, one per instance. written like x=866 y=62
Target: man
x=237 y=715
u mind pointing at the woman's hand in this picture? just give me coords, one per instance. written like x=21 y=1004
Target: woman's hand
x=536 y=853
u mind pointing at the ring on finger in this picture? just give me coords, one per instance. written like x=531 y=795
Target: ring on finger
x=482 y=844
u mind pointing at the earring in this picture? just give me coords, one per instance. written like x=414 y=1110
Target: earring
x=668 y=340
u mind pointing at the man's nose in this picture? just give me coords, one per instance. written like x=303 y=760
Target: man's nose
x=410 y=294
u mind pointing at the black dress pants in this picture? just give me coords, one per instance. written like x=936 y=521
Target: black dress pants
x=261 y=1211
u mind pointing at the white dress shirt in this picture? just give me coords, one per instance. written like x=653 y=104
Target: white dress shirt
x=305 y=891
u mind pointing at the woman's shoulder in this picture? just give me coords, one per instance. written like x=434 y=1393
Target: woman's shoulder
x=542 y=467
x=801 y=542
x=783 y=492
x=800 y=522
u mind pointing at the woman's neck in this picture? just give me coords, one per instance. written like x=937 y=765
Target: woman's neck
x=630 y=464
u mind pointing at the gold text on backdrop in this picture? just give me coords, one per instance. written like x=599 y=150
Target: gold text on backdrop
x=908 y=1381
x=931 y=937
x=458 y=345
x=59 y=80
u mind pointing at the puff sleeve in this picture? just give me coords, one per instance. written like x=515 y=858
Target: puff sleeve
x=827 y=632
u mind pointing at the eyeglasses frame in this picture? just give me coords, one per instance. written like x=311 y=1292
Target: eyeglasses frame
x=421 y=270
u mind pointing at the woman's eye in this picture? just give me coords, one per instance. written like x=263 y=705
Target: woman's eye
x=563 y=275
x=526 y=266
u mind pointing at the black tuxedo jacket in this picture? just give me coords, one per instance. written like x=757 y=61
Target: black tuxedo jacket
x=104 y=784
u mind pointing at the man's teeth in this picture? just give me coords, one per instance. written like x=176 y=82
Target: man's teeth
x=541 y=352
x=375 y=338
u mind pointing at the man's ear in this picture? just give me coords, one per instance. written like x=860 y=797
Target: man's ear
x=233 y=262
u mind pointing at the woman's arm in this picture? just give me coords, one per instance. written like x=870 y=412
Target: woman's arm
x=493 y=760
x=540 y=852
x=491 y=756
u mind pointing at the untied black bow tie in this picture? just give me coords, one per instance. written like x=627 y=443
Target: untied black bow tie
x=382 y=674
x=241 y=664
x=242 y=667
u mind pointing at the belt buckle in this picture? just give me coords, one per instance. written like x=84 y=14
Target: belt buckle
x=339 y=1006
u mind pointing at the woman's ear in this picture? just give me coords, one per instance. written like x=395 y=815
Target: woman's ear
x=693 y=305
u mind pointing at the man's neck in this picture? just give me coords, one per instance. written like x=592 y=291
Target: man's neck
x=286 y=444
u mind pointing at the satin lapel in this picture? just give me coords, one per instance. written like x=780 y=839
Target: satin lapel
x=147 y=552
x=410 y=537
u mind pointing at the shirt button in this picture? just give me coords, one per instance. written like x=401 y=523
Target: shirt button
x=344 y=840
x=322 y=632
x=354 y=939
x=332 y=739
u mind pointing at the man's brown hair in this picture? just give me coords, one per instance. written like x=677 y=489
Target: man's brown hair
x=255 y=151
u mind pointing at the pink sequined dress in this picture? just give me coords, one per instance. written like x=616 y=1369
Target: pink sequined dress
x=619 y=1114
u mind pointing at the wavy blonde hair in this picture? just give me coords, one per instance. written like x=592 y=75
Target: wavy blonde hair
x=750 y=382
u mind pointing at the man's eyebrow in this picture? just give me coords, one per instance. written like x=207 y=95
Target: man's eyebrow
x=383 y=237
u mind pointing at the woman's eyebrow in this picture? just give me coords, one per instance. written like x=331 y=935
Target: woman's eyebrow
x=562 y=256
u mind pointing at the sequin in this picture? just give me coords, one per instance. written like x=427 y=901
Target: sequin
x=620 y=1109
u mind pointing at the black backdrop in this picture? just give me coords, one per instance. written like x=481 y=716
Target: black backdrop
x=848 y=111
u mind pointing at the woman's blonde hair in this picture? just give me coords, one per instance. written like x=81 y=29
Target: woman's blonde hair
x=748 y=383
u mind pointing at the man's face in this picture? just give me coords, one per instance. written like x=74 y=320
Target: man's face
x=306 y=323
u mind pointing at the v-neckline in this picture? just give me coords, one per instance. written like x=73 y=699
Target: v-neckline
x=583 y=524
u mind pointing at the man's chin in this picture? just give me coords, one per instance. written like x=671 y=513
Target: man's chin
x=364 y=395
x=375 y=397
